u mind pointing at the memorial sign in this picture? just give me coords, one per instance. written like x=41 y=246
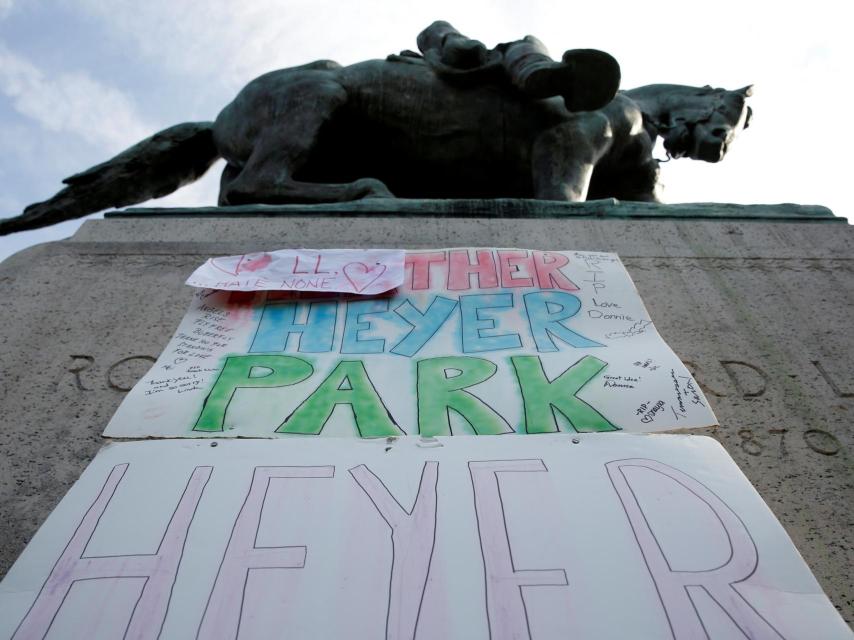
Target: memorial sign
x=553 y=537
x=477 y=341
x=359 y=271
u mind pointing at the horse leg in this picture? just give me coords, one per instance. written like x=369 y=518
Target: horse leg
x=269 y=182
x=640 y=184
x=229 y=175
x=283 y=146
x=563 y=158
x=632 y=176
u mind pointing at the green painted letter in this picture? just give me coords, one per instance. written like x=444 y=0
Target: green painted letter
x=347 y=384
x=544 y=397
x=249 y=371
x=442 y=384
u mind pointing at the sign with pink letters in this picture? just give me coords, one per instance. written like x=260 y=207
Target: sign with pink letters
x=561 y=536
x=357 y=271
x=473 y=341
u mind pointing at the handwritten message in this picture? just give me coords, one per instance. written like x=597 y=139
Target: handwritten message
x=365 y=272
x=473 y=341
x=553 y=537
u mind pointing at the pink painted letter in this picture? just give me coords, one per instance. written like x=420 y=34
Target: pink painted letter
x=159 y=568
x=460 y=270
x=674 y=587
x=505 y=608
x=225 y=604
x=413 y=535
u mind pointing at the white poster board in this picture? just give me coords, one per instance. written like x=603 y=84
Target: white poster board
x=362 y=271
x=559 y=536
x=475 y=341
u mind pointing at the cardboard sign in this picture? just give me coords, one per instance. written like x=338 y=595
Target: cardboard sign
x=553 y=537
x=358 y=271
x=485 y=341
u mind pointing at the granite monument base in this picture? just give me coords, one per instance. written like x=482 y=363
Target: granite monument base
x=758 y=302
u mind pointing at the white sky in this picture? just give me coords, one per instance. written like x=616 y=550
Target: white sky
x=82 y=79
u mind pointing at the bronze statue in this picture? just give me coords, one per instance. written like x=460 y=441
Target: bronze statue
x=586 y=79
x=460 y=121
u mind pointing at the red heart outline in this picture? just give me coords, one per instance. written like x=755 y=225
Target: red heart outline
x=365 y=271
x=215 y=265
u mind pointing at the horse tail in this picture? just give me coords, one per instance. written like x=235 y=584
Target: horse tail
x=155 y=167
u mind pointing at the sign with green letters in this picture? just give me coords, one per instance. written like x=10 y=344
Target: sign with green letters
x=475 y=341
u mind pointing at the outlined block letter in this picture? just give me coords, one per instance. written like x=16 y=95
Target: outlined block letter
x=544 y=398
x=675 y=587
x=248 y=372
x=442 y=387
x=159 y=568
x=505 y=606
x=225 y=603
x=413 y=538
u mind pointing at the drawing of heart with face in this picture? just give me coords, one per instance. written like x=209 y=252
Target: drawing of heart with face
x=248 y=262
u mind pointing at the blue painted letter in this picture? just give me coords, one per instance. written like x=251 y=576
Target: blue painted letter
x=424 y=325
x=546 y=311
x=278 y=321
x=476 y=323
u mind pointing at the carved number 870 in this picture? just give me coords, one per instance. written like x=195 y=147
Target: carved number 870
x=818 y=440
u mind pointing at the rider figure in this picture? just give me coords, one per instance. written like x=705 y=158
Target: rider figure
x=587 y=79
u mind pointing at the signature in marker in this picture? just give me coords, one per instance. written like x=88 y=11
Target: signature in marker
x=636 y=329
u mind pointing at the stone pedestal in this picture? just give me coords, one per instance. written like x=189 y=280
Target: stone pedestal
x=757 y=300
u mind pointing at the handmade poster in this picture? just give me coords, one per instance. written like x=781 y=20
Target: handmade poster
x=475 y=341
x=561 y=536
x=359 y=271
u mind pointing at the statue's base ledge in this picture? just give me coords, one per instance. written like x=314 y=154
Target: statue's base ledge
x=503 y=208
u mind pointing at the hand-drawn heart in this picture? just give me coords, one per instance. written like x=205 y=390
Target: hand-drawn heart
x=235 y=265
x=361 y=276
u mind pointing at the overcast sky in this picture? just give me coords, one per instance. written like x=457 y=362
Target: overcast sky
x=82 y=79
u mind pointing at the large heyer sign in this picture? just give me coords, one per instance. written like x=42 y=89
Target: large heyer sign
x=551 y=537
x=475 y=341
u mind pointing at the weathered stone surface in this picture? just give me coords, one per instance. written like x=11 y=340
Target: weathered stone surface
x=761 y=310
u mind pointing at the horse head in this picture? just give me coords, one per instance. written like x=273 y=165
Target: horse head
x=702 y=123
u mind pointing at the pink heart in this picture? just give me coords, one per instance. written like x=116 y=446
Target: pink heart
x=246 y=262
x=253 y=262
x=361 y=276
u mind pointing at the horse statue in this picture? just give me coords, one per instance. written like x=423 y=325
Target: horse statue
x=322 y=133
